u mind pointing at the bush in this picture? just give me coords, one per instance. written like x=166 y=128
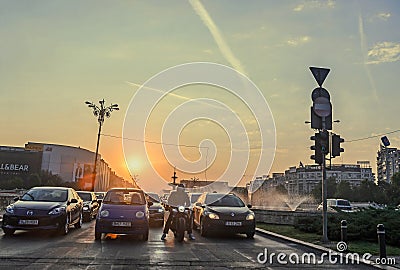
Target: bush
x=360 y=225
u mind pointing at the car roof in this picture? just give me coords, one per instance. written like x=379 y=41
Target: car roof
x=47 y=187
x=125 y=189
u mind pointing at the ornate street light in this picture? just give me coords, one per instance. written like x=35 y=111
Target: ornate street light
x=100 y=112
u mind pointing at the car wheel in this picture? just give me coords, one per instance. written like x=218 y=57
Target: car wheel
x=251 y=234
x=202 y=228
x=64 y=229
x=97 y=235
x=78 y=225
x=145 y=236
x=8 y=232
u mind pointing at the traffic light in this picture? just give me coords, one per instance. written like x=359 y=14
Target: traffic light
x=317 y=148
x=320 y=147
x=336 y=141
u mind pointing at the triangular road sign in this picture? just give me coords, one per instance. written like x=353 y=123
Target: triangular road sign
x=319 y=74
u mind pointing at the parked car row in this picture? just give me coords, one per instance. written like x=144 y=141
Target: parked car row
x=121 y=211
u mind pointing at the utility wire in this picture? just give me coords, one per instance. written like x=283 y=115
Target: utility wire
x=153 y=142
x=374 y=136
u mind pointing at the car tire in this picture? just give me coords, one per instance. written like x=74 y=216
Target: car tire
x=64 y=229
x=78 y=225
x=250 y=235
x=97 y=235
x=203 y=231
x=8 y=232
x=145 y=236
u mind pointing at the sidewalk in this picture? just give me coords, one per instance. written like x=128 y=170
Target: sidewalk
x=330 y=249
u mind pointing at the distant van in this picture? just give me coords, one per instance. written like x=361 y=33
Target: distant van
x=339 y=204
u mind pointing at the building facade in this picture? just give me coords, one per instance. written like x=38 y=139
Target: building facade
x=303 y=179
x=388 y=163
x=71 y=164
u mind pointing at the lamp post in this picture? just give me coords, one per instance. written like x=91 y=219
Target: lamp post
x=100 y=112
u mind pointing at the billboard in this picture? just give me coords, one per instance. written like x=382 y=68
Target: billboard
x=19 y=163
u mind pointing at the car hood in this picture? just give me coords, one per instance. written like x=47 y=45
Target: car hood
x=37 y=205
x=229 y=210
x=156 y=206
x=118 y=210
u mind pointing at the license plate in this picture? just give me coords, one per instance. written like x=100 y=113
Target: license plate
x=28 y=222
x=233 y=223
x=121 y=224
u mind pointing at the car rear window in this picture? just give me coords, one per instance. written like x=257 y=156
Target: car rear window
x=85 y=196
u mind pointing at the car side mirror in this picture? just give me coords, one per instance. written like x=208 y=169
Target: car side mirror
x=198 y=204
x=99 y=201
x=149 y=203
x=94 y=201
x=16 y=199
x=249 y=206
x=74 y=200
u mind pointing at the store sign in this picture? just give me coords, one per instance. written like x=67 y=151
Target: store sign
x=14 y=167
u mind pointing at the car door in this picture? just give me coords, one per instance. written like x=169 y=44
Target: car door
x=75 y=210
x=95 y=204
x=197 y=209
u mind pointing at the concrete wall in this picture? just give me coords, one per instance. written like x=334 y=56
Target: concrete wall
x=281 y=217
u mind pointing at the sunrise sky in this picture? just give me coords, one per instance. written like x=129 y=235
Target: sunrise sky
x=55 y=55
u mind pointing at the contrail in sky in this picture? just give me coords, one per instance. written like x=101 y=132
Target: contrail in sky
x=222 y=45
x=364 y=54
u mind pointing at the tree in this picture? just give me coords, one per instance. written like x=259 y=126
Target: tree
x=331 y=188
x=396 y=179
x=344 y=191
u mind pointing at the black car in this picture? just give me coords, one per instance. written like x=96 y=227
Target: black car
x=44 y=208
x=156 y=210
x=218 y=212
x=90 y=205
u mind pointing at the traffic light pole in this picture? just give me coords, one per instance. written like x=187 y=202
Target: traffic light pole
x=324 y=194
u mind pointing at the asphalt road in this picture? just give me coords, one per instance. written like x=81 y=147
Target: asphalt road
x=79 y=250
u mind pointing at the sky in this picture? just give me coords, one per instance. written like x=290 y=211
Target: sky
x=55 y=55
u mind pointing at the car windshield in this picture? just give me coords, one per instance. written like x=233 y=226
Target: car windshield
x=99 y=195
x=153 y=197
x=226 y=201
x=86 y=197
x=343 y=203
x=194 y=197
x=124 y=197
x=46 y=195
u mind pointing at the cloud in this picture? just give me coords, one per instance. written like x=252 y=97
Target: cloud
x=298 y=41
x=221 y=43
x=315 y=4
x=384 y=52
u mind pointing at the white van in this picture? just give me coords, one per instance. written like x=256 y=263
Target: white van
x=340 y=204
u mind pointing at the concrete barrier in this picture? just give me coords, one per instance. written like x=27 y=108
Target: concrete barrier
x=281 y=217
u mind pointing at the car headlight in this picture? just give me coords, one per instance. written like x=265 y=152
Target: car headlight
x=104 y=213
x=10 y=209
x=250 y=216
x=160 y=210
x=213 y=216
x=139 y=214
x=85 y=208
x=57 y=210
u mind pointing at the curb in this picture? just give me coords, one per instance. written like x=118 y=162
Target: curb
x=320 y=248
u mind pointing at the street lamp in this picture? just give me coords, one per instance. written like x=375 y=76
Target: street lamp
x=100 y=112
